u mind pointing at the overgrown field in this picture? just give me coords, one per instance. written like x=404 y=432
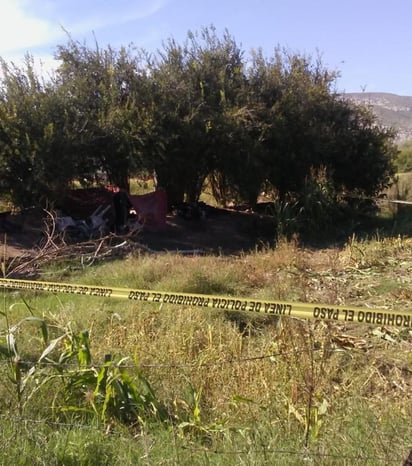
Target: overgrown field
x=96 y=381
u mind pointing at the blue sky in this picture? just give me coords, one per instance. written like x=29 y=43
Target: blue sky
x=368 y=41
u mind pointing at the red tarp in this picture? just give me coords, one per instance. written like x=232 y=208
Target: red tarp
x=151 y=208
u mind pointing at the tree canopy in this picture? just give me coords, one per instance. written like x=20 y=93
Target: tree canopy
x=192 y=112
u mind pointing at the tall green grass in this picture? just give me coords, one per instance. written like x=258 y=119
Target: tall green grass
x=190 y=386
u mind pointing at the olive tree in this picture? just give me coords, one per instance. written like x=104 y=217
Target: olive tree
x=194 y=86
x=108 y=94
x=35 y=152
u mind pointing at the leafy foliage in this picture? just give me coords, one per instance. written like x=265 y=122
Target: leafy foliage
x=107 y=92
x=33 y=131
x=107 y=392
x=192 y=112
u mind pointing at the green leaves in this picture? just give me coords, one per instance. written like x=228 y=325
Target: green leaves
x=195 y=111
x=109 y=392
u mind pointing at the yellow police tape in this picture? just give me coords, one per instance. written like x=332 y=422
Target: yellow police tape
x=401 y=319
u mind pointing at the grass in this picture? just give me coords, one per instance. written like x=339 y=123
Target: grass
x=238 y=388
x=199 y=386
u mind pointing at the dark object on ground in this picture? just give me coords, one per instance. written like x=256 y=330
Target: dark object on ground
x=122 y=207
x=265 y=208
x=5 y=225
x=190 y=210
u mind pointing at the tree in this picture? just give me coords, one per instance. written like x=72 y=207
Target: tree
x=291 y=93
x=192 y=112
x=34 y=150
x=194 y=86
x=360 y=154
x=108 y=93
x=307 y=128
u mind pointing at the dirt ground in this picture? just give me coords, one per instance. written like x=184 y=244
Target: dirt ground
x=20 y=233
x=221 y=231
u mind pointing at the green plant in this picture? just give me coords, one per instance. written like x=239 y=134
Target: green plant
x=108 y=391
x=18 y=372
x=307 y=402
x=193 y=425
x=288 y=218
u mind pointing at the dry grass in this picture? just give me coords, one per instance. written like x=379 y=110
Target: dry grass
x=332 y=388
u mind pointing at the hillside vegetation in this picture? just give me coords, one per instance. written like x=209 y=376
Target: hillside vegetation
x=391 y=110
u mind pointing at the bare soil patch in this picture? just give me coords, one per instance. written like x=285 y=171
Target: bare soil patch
x=221 y=231
x=20 y=232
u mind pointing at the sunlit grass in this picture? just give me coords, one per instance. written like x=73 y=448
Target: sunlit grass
x=239 y=387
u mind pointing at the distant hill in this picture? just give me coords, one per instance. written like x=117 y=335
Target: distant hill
x=391 y=110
